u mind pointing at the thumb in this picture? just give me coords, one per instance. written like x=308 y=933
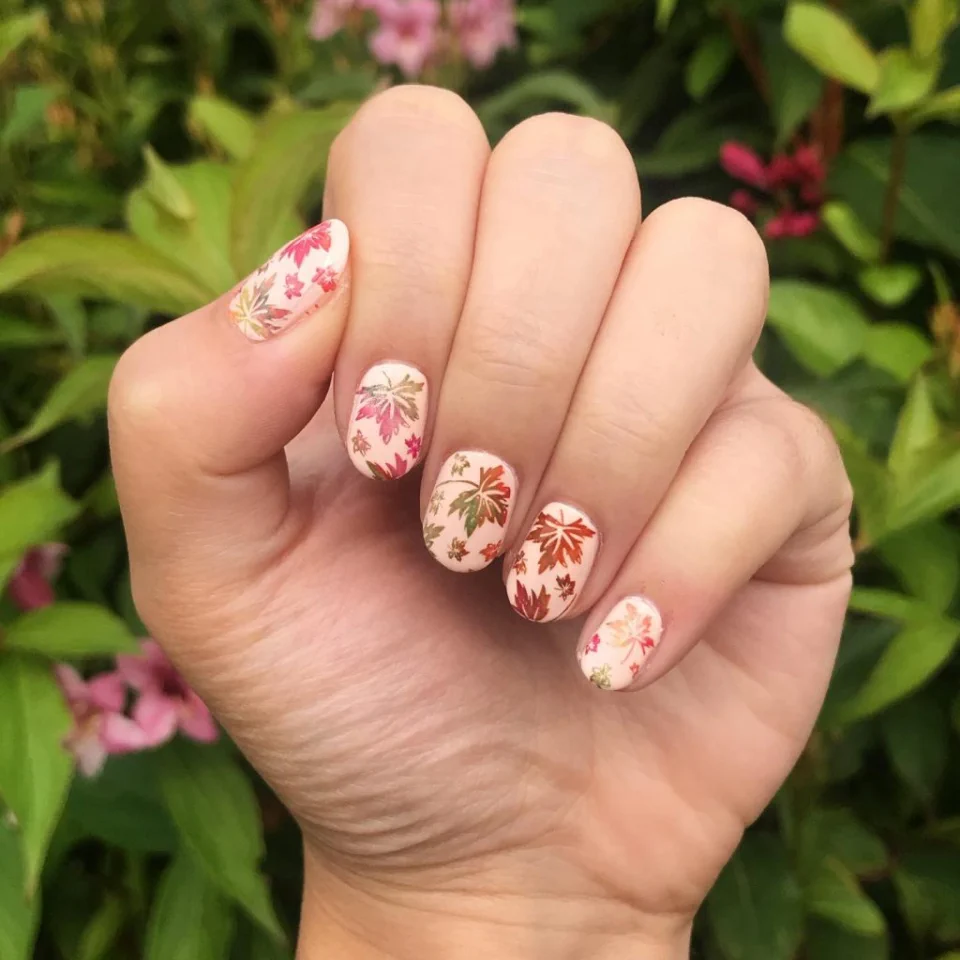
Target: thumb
x=202 y=407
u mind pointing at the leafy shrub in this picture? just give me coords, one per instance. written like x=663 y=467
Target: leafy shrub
x=151 y=154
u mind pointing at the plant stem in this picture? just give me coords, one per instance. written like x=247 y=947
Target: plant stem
x=745 y=42
x=891 y=201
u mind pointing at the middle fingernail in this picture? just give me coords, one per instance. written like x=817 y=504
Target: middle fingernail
x=385 y=436
x=553 y=563
x=468 y=510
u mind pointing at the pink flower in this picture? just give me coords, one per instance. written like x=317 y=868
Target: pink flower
x=743 y=164
x=166 y=704
x=30 y=586
x=408 y=33
x=99 y=726
x=789 y=223
x=809 y=165
x=329 y=17
x=781 y=171
x=482 y=28
x=745 y=202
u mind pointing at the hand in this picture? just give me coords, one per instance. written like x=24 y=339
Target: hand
x=464 y=791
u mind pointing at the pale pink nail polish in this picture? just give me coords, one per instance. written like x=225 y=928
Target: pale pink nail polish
x=615 y=654
x=295 y=282
x=553 y=563
x=385 y=435
x=469 y=510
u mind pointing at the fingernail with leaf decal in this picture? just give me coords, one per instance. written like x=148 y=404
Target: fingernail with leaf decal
x=614 y=656
x=385 y=436
x=552 y=563
x=468 y=510
x=294 y=283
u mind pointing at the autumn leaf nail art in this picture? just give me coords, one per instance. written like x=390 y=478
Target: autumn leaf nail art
x=614 y=655
x=553 y=563
x=294 y=283
x=468 y=510
x=385 y=436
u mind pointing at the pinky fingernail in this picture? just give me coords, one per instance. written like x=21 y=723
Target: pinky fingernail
x=616 y=653
x=295 y=282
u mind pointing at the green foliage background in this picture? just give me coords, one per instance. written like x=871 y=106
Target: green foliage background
x=152 y=153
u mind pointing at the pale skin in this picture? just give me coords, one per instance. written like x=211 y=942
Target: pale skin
x=463 y=791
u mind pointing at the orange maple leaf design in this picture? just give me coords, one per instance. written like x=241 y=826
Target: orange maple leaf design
x=559 y=541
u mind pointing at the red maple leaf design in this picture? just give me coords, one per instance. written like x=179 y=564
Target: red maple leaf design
x=327 y=277
x=293 y=286
x=389 y=471
x=593 y=644
x=391 y=405
x=491 y=551
x=533 y=606
x=413 y=444
x=559 y=541
x=316 y=238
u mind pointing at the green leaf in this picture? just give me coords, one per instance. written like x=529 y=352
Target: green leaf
x=71 y=318
x=918 y=429
x=35 y=769
x=929 y=210
x=291 y=151
x=827 y=941
x=839 y=834
x=708 y=64
x=97 y=263
x=223 y=123
x=69 y=629
x=904 y=82
x=934 y=493
x=831 y=43
x=16 y=30
x=665 y=11
x=897 y=348
x=891 y=284
x=927 y=880
x=79 y=395
x=215 y=810
x=16 y=334
x=926 y=559
x=755 y=908
x=917 y=652
x=200 y=245
x=795 y=87
x=164 y=189
x=122 y=806
x=930 y=22
x=849 y=230
x=888 y=604
x=870 y=481
x=834 y=894
x=190 y=919
x=824 y=328
x=32 y=512
x=916 y=735
x=19 y=917
x=944 y=105
x=28 y=113
x=102 y=930
x=532 y=92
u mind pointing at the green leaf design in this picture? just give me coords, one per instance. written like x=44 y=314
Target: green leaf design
x=190 y=918
x=483 y=502
x=430 y=533
x=216 y=814
x=98 y=263
x=831 y=43
x=290 y=153
x=19 y=916
x=35 y=769
x=70 y=629
x=80 y=394
x=755 y=908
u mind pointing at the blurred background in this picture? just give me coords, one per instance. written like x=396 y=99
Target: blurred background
x=151 y=154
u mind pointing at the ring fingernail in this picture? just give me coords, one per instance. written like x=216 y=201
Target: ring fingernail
x=616 y=653
x=553 y=563
x=468 y=510
x=385 y=436
x=294 y=283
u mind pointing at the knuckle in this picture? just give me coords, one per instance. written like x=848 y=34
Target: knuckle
x=564 y=142
x=634 y=436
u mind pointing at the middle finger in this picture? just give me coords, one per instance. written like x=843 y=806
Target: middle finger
x=560 y=204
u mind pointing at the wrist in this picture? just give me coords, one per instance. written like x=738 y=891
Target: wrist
x=488 y=919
